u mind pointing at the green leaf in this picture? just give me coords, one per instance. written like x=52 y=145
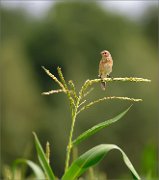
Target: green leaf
x=42 y=158
x=36 y=169
x=98 y=127
x=91 y=158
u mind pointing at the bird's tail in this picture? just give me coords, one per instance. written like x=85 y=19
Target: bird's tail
x=103 y=85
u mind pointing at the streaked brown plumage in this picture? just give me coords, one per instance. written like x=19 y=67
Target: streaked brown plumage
x=105 y=66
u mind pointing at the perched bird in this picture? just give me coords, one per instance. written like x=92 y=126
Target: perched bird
x=105 y=67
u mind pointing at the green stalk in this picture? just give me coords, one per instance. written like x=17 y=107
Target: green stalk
x=69 y=146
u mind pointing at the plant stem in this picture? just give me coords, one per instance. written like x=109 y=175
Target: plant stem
x=69 y=146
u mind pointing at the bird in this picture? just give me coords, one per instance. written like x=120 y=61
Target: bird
x=105 y=67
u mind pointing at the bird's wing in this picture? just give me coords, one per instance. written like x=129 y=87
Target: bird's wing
x=101 y=67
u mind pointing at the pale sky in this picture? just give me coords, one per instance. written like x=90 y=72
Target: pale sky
x=132 y=9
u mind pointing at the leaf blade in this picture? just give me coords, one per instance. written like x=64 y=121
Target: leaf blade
x=98 y=127
x=42 y=159
x=36 y=169
x=93 y=157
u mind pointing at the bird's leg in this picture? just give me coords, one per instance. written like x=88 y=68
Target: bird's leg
x=108 y=76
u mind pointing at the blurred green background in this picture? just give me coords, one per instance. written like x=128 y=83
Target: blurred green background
x=71 y=35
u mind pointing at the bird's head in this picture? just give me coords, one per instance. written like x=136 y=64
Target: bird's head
x=105 y=54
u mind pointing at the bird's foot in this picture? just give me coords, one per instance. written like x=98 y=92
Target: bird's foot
x=99 y=75
x=108 y=76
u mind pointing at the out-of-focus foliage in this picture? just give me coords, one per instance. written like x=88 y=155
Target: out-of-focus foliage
x=72 y=35
x=149 y=163
x=150 y=25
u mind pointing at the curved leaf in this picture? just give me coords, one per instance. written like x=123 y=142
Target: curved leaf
x=36 y=169
x=98 y=127
x=42 y=159
x=92 y=157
